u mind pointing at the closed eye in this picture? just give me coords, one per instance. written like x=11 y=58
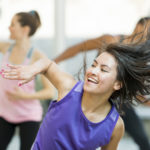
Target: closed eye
x=93 y=65
x=104 y=70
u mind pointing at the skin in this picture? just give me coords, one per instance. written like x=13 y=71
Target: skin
x=21 y=47
x=100 y=83
x=100 y=42
x=95 y=110
x=88 y=45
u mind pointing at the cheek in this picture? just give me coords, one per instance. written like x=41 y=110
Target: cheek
x=107 y=80
x=12 y=30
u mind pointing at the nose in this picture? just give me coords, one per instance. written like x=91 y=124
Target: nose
x=95 y=70
x=9 y=27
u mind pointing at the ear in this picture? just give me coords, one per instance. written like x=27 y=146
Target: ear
x=26 y=29
x=117 y=85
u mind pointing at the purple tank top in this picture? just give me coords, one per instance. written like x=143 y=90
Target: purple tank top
x=65 y=126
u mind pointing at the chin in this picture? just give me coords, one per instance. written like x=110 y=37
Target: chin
x=11 y=38
x=88 y=89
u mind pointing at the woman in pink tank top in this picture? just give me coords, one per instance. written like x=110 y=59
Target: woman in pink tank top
x=20 y=105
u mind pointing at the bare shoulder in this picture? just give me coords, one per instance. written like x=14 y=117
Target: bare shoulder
x=37 y=54
x=119 y=128
x=4 y=47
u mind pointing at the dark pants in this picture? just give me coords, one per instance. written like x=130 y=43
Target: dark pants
x=134 y=126
x=27 y=132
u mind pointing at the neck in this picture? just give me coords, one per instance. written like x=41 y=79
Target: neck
x=95 y=103
x=23 y=44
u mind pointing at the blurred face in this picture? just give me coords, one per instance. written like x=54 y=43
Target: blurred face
x=100 y=78
x=16 y=30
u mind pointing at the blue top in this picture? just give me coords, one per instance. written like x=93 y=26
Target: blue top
x=65 y=127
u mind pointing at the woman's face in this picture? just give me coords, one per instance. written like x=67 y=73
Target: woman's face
x=100 y=78
x=16 y=30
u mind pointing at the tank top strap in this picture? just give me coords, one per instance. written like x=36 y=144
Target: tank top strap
x=113 y=118
x=10 y=48
x=79 y=87
x=28 y=56
x=6 y=56
x=114 y=114
x=30 y=52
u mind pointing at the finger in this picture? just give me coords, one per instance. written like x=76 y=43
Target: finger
x=9 y=70
x=13 y=66
x=22 y=82
x=14 y=77
x=12 y=73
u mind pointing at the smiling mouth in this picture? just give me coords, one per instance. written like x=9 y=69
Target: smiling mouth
x=92 y=80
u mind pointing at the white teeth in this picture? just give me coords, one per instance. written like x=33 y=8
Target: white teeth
x=92 y=80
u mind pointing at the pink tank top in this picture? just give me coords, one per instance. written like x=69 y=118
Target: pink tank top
x=17 y=111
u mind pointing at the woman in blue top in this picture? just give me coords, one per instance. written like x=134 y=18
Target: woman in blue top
x=133 y=123
x=84 y=117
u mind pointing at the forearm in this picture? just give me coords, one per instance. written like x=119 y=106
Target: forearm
x=41 y=66
x=48 y=68
x=41 y=95
x=68 y=53
x=87 y=45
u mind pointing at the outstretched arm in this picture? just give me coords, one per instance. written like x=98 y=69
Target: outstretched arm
x=61 y=80
x=88 y=45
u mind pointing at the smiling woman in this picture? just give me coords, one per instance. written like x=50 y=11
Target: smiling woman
x=92 y=120
x=102 y=74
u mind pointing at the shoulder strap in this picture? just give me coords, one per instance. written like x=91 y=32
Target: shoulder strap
x=30 y=52
x=10 y=48
x=6 y=56
x=79 y=87
x=114 y=114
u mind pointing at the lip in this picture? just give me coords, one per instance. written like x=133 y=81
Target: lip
x=91 y=80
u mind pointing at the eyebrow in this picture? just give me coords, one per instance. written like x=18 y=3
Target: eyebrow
x=103 y=65
x=106 y=66
x=95 y=61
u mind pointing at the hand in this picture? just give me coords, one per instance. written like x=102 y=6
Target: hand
x=17 y=72
x=16 y=94
x=144 y=98
x=148 y=103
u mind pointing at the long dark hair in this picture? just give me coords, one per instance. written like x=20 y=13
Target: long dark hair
x=133 y=71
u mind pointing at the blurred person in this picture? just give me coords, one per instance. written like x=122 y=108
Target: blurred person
x=140 y=33
x=84 y=116
x=133 y=124
x=20 y=105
